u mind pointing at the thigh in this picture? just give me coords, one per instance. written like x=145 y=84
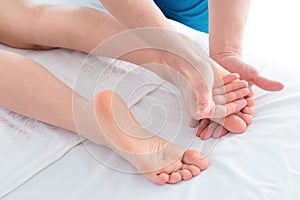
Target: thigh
x=17 y=22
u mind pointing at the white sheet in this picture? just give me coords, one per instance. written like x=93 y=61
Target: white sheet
x=262 y=163
x=27 y=146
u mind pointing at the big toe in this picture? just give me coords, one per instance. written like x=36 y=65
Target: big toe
x=192 y=157
x=233 y=123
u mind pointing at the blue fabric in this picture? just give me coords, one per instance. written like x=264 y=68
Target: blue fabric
x=193 y=13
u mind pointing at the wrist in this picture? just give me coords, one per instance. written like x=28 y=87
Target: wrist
x=224 y=51
x=219 y=55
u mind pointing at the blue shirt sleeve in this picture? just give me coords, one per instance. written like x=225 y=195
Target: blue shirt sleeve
x=193 y=13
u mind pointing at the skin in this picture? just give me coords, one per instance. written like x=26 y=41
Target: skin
x=105 y=120
x=18 y=30
x=153 y=17
x=227 y=19
x=36 y=93
x=226 y=41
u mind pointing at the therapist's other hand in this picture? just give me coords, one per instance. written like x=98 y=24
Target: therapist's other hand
x=235 y=64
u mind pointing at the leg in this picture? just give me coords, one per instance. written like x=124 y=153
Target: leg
x=27 y=88
x=37 y=30
x=29 y=25
x=36 y=93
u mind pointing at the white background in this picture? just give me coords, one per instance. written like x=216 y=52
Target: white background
x=273 y=31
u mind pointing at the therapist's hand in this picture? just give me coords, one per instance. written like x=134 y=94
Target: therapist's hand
x=235 y=64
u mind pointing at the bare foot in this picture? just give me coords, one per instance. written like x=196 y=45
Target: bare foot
x=230 y=91
x=229 y=99
x=208 y=128
x=157 y=159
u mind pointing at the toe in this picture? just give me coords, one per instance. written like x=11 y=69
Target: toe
x=185 y=174
x=202 y=126
x=194 y=123
x=233 y=123
x=175 y=177
x=207 y=133
x=159 y=179
x=193 y=169
x=195 y=158
x=247 y=118
x=162 y=178
x=220 y=132
x=248 y=110
x=173 y=166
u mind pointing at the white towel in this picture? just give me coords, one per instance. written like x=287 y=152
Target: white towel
x=27 y=145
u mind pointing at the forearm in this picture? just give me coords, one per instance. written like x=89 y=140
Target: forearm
x=81 y=22
x=137 y=13
x=143 y=13
x=227 y=20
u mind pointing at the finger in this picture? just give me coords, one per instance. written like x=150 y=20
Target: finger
x=231 y=96
x=229 y=78
x=207 y=133
x=267 y=84
x=202 y=125
x=251 y=93
x=250 y=101
x=222 y=111
x=220 y=132
x=220 y=81
x=230 y=87
x=235 y=106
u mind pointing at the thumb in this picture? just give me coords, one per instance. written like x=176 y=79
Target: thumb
x=267 y=84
